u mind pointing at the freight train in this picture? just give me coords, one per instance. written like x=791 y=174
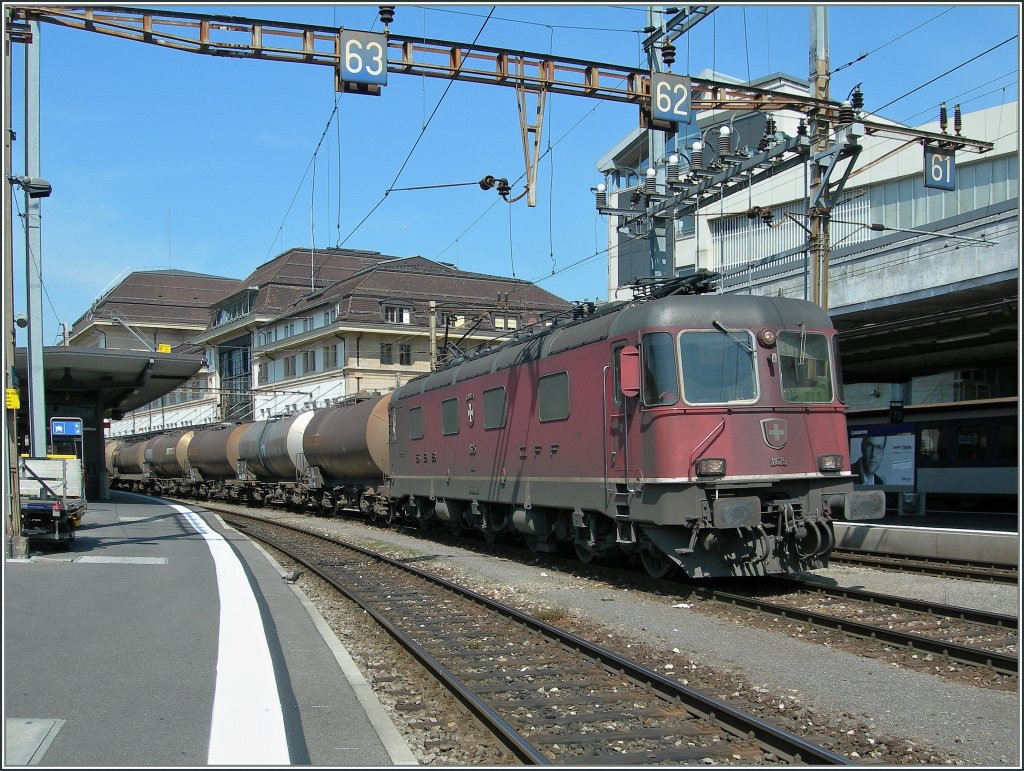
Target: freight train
x=680 y=428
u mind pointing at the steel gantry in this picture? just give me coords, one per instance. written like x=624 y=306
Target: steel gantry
x=362 y=60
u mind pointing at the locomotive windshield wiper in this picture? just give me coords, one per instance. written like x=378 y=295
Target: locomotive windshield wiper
x=735 y=337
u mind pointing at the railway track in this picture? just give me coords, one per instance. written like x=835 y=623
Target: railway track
x=924 y=632
x=547 y=695
x=934 y=567
x=973 y=638
x=966 y=636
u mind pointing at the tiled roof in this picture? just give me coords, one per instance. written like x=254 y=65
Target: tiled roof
x=417 y=281
x=159 y=296
x=295 y=272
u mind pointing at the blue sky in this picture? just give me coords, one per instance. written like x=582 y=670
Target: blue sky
x=160 y=158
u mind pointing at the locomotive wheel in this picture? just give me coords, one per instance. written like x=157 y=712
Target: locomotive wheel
x=455 y=528
x=585 y=553
x=657 y=564
x=490 y=535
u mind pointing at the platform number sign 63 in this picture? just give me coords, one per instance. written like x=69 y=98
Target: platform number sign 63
x=670 y=97
x=939 y=168
x=364 y=58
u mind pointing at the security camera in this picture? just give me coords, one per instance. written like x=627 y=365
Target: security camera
x=36 y=187
x=21 y=320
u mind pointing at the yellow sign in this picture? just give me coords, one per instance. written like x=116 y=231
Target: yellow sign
x=13 y=401
x=163 y=348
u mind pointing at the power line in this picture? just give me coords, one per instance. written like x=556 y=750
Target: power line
x=298 y=189
x=416 y=143
x=864 y=56
x=529 y=23
x=947 y=72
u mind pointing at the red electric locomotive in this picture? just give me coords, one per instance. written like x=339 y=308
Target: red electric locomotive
x=683 y=428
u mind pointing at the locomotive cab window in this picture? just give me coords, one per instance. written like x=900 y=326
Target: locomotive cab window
x=718 y=367
x=553 y=397
x=450 y=417
x=660 y=383
x=494 y=408
x=805 y=367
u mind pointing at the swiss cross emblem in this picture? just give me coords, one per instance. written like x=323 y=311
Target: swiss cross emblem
x=774 y=432
x=469 y=413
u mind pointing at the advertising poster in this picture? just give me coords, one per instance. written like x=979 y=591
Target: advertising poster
x=883 y=456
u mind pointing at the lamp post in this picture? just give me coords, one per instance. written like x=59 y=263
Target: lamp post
x=35 y=188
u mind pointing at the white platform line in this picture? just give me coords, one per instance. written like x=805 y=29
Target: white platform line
x=247 y=726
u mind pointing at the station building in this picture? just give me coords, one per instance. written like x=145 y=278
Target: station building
x=306 y=329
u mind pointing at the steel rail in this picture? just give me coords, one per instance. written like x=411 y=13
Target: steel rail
x=776 y=739
x=928 y=566
x=1000 y=620
x=512 y=739
x=999 y=662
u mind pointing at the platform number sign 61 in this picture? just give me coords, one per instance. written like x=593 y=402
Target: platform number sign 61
x=939 y=168
x=364 y=58
x=670 y=97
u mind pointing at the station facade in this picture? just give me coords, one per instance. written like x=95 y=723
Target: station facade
x=306 y=329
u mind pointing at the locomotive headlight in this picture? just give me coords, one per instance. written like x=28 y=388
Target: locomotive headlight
x=830 y=462
x=711 y=467
x=766 y=338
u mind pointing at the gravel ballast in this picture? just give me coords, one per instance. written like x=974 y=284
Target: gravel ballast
x=799 y=684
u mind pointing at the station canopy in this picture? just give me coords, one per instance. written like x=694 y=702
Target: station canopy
x=113 y=379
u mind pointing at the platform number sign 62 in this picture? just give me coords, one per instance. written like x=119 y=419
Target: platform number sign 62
x=670 y=97
x=364 y=58
x=939 y=168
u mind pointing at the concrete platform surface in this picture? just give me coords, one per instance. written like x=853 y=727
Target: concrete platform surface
x=163 y=638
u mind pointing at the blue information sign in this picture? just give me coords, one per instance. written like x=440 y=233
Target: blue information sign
x=670 y=97
x=364 y=58
x=65 y=427
x=939 y=168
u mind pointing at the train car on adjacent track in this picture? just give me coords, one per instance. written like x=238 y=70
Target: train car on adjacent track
x=966 y=455
x=683 y=428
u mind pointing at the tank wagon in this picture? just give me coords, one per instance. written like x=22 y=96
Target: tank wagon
x=682 y=428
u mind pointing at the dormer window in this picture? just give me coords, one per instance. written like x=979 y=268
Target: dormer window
x=397 y=314
x=505 y=321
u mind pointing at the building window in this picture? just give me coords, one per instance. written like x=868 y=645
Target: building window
x=397 y=315
x=308 y=362
x=405 y=354
x=264 y=376
x=330 y=356
x=505 y=322
x=387 y=355
x=289 y=366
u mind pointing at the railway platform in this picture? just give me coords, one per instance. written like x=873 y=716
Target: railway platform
x=162 y=638
x=975 y=537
